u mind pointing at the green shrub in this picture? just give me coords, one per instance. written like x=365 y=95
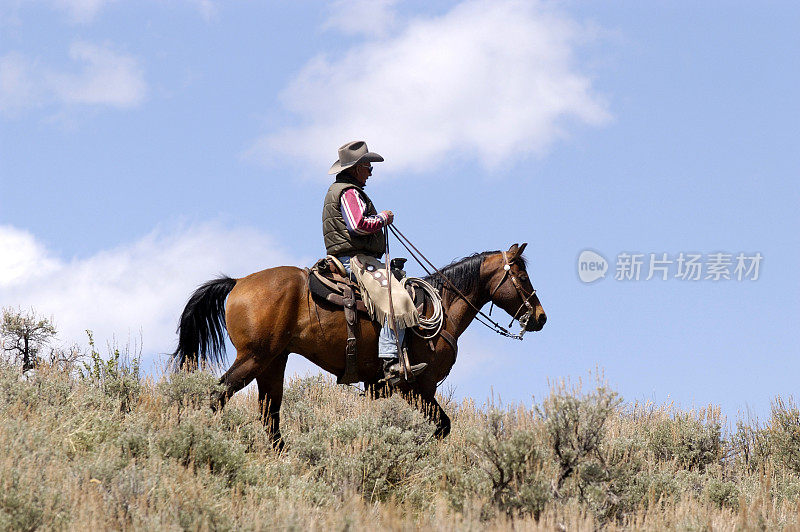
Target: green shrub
x=43 y=389
x=574 y=426
x=196 y=441
x=382 y=455
x=70 y=459
x=135 y=439
x=648 y=487
x=12 y=389
x=686 y=440
x=722 y=493
x=118 y=377
x=189 y=389
x=750 y=445
x=245 y=426
x=788 y=490
x=511 y=460
x=309 y=401
x=377 y=455
x=618 y=481
x=29 y=506
x=20 y=508
x=784 y=433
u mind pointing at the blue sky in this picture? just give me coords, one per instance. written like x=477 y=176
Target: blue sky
x=147 y=146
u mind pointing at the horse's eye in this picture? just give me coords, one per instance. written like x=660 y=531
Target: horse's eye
x=523 y=277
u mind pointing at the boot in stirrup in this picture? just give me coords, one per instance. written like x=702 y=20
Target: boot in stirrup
x=393 y=371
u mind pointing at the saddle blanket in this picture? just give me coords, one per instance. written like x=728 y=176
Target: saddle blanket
x=370 y=273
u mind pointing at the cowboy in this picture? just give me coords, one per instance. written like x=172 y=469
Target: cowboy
x=353 y=232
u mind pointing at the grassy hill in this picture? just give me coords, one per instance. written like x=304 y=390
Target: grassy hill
x=104 y=448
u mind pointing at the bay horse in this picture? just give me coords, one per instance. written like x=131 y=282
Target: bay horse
x=271 y=313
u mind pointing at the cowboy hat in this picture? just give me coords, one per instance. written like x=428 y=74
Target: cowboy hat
x=353 y=153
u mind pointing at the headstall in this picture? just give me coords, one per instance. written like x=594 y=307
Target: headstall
x=508 y=274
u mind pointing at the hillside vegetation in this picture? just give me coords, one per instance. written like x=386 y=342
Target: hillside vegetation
x=103 y=448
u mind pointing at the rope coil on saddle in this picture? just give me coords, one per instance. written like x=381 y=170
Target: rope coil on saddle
x=428 y=328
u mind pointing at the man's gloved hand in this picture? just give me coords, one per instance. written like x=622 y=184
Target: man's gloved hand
x=389 y=216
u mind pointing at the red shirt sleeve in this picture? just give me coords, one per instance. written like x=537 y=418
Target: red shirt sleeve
x=352 y=207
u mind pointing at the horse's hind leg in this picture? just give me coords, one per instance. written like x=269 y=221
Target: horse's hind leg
x=270 y=396
x=244 y=370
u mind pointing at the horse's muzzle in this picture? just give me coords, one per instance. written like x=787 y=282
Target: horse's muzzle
x=535 y=324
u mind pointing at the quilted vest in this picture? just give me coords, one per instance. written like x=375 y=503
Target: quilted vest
x=338 y=240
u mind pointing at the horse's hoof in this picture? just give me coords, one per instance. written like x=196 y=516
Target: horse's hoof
x=278 y=444
x=442 y=432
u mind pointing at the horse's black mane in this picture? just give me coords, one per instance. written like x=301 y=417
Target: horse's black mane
x=464 y=273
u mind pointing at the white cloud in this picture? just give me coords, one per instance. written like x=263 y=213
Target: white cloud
x=489 y=80
x=85 y=11
x=22 y=258
x=18 y=87
x=81 y=10
x=141 y=286
x=207 y=8
x=105 y=78
x=362 y=17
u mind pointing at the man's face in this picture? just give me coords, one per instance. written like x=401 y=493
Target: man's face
x=363 y=171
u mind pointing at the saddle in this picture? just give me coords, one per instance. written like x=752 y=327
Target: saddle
x=329 y=281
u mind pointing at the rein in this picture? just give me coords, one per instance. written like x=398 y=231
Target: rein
x=392 y=322
x=480 y=316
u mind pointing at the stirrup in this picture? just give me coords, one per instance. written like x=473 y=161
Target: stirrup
x=393 y=373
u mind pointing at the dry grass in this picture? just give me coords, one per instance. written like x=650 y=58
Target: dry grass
x=108 y=450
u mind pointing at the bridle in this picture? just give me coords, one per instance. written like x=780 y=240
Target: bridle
x=526 y=300
x=481 y=317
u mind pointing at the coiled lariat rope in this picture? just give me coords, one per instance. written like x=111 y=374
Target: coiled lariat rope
x=428 y=328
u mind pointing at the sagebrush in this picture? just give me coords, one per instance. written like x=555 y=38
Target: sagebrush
x=106 y=448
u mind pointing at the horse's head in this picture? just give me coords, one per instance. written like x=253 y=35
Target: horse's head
x=510 y=287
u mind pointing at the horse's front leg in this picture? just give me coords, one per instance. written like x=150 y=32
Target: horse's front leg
x=424 y=400
x=378 y=390
x=440 y=418
x=270 y=396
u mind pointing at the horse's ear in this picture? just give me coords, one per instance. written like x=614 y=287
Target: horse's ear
x=516 y=250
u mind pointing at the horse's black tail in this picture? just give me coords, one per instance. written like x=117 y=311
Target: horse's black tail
x=201 y=337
